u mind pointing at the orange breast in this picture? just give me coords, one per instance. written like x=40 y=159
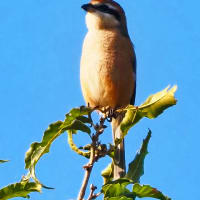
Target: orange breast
x=106 y=73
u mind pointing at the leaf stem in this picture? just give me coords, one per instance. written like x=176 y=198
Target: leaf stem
x=74 y=147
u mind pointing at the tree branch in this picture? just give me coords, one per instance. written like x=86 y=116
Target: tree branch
x=97 y=150
x=88 y=170
x=95 y=154
x=92 y=195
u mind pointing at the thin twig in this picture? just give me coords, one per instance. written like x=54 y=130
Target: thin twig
x=88 y=170
x=94 y=196
x=95 y=154
x=92 y=189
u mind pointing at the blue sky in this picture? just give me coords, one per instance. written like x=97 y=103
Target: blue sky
x=40 y=48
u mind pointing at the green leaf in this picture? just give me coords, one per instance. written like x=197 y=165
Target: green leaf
x=148 y=191
x=132 y=116
x=74 y=121
x=76 y=113
x=117 y=188
x=39 y=149
x=136 y=167
x=151 y=108
x=21 y=189
x=157 y=103
x=80 y=111
x=119 y=198
x=3 y=161
x=114 y=190
x=84 y=119
x=78 y=125
x=107 y=173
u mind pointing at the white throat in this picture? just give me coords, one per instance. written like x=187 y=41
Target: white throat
x=98 y=20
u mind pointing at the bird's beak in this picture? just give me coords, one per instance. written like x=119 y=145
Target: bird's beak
x=87 y=7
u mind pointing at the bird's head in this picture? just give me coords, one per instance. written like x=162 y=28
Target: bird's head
x=104 y=14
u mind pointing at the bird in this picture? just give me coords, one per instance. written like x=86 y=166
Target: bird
x=108 y=66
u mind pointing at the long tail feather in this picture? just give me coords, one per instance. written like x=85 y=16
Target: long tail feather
x=119 y=159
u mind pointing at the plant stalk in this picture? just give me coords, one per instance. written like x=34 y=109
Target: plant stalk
x=88 y=170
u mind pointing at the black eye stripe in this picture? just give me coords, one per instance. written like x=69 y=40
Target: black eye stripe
x=102 y=7
x=106 y=9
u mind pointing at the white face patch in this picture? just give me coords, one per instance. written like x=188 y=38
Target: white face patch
x=98 y=20
x=92 y=21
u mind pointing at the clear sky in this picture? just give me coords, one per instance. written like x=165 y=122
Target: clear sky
x=40 y=48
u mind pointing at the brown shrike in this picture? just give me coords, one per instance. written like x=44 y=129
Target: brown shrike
x=108 y=65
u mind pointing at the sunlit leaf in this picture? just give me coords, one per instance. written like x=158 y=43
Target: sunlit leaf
x=119 y=198
x=38 y=149
x=107 y=173
x=136 y=167
x=157 y=103
x=80 y=111
x=21 y=189
x=151 y=108
x=132 y=117
x=74 y=121
x=78 y=125
x=114 y=190
x=3 y=161
x=148 y=191
x=84 y=119
x=117 y=188
x=75 y=113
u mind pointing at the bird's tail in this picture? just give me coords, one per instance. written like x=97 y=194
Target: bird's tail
x=119 y=159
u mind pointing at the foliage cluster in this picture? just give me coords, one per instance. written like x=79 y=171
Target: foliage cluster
x=80 y=119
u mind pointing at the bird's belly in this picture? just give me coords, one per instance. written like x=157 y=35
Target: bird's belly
x=96 y=81
x=106 y=80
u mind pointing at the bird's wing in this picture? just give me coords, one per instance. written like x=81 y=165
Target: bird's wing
x=134 y=63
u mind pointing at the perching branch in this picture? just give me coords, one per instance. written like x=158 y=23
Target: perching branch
x=88 y=170
x=77 y=120
x=96 y=152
